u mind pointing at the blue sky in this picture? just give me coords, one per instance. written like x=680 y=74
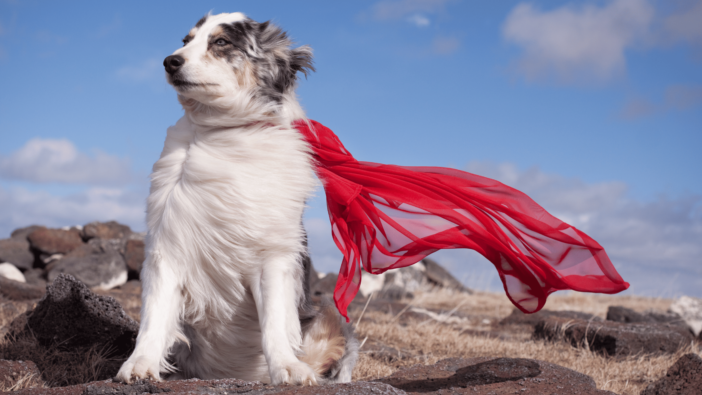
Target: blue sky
x=594 y=108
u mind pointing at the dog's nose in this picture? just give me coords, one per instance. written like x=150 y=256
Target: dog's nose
x=172 y=63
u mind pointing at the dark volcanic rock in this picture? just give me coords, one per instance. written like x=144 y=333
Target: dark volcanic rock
x=519 y=318
x=220 y=387
x=97 y=263
x=11 y=371
x=105 y=230
x=614 y=338
x=492 y=376
x=623 y=314
x=325 y=285
x=16 y=251
x=436 y=274
x=134 y=257
x=14 y=290
x=54 y=241
x=683 y=378
x=70 y=314
x=22 y=233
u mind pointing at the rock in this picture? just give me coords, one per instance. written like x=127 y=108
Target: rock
x=410 y=278
x=14 y=290
x=9 y=311
x=690 y=310
x=492 y=376
x=12 y=371
x=437 y=275
x=394 y=292
x=22 y=233
x=325 y=285
x=204 y=387
x=54 y=241
x=134 y=257
x=623 y=314
x=615 y=338
x=10 y=272
x=683 y=378
x=519 y=318
x=99 y=264
x=105 y=230
x=16 y=251
x=36 y=277
x=70 y=314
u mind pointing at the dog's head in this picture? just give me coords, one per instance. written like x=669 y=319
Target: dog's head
x=230 y=55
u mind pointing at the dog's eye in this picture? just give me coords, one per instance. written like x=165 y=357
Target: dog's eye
x=185 y=41
x=221 y=42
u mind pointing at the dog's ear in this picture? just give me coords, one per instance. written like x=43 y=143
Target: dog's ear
x=283 y=62
x=301 y=60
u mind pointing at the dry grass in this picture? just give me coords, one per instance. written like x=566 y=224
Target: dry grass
x=29 y=380
x=60 y=367
x=428 y=341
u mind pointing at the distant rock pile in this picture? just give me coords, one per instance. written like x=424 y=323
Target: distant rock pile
x=103 y=255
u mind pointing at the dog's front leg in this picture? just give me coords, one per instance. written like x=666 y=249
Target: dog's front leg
x=275 y=294
x=160 y=321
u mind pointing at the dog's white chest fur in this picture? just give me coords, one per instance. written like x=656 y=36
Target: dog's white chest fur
x=223 y=198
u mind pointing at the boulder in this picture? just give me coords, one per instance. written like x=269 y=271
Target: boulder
x=690 y=310
x=13 y=371
x=72 y=316
x=683 y=378
x=325 y=285
x=105 y=230
x=98 y=263
x=492 y=376
x=54 y=241
x=519 y=318
x=623 y=314
x=615 y=338
x=16 y=251
x=10 y=272
x=36 y=277
x=437 y=275
x=22 y=233
x=14 y=290
x=134 y=256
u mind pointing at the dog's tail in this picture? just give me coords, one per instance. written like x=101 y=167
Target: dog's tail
x=329 y=346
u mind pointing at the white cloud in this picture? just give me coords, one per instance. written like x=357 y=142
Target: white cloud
x=148 y=70
x=676 y=98
x=686 y=24
x=445 y=45
x=398 y=9
x=572 y=43
x=21 y=207
x=654 y=245
x=48 y=160
x=419 y=20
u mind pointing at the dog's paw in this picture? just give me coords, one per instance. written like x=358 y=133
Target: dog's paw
x=293 y=372
x=139 y=367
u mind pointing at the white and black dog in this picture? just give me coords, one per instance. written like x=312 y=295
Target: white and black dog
x=225 y=291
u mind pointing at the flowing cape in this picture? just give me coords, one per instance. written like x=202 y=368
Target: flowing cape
x=387 y=217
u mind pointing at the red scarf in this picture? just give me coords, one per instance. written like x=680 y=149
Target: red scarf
x=388 y=217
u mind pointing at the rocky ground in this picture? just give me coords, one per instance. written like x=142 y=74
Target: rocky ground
x=69 y=311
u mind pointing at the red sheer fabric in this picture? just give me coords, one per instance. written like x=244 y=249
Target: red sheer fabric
x=387 y=217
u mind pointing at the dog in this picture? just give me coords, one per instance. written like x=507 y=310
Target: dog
x=225 y=280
